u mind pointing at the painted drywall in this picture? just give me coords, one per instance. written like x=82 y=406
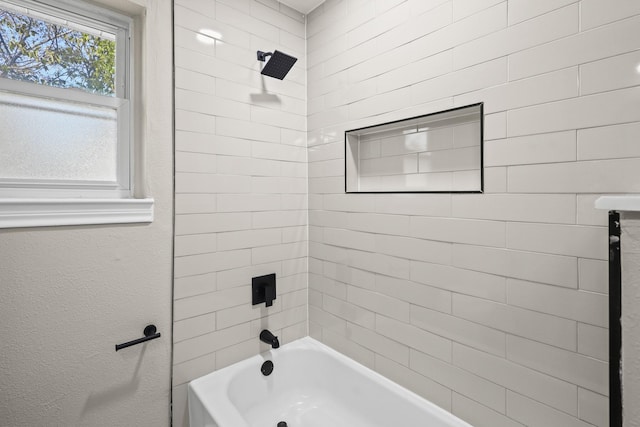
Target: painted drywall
x=241 y=184
x=69 y=294
x=493 y=306
x=630 y=317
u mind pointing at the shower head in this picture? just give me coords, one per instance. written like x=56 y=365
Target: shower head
x=279 y=64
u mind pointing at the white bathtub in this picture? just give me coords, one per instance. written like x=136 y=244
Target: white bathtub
x=311 y=386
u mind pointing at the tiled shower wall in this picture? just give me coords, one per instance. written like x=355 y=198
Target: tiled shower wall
x=241 y=184
x=493 y=306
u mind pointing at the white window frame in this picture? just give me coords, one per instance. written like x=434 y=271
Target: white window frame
x=32 y=202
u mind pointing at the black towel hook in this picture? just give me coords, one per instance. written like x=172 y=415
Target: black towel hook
x=149 y=334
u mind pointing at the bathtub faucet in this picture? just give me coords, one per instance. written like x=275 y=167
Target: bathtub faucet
x=269 y=338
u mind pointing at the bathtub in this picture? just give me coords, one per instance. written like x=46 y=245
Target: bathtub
x=311 y=386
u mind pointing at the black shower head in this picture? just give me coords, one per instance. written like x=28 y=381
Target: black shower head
x=279 y=64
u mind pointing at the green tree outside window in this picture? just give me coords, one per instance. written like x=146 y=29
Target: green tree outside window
x=40 y=52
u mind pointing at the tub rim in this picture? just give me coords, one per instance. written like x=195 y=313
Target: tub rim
x=225 y=412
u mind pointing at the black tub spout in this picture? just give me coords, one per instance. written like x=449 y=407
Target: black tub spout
x=267 y=337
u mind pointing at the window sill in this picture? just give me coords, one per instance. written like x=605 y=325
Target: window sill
x=15 y=213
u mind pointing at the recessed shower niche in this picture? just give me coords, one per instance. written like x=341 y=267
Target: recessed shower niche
x=434 y=153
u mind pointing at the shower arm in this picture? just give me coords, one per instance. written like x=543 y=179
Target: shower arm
x=262 y=56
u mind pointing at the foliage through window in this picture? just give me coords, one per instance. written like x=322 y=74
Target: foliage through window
x=53 y=54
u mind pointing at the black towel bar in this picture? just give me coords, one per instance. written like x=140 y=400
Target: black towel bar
x=149 y=334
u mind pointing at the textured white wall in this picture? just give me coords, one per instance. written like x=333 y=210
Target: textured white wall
x=493 y=306
x=69 y=294
x=631 y=317
x=241 y=184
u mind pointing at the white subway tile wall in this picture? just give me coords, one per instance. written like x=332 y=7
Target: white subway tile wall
x=241 y=184
x=493 y=306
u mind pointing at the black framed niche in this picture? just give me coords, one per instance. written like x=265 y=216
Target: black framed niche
x=440 y=152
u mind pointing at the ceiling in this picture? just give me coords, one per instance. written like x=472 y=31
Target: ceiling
x=304 y=6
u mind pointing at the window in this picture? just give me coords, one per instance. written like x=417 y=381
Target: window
x=65 y=109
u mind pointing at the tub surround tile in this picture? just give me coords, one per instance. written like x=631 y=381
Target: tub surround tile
x=454 y=279
x=593 y=341
x=532 y=413
x=584 y=371
x=241 y=184
x=586 y=46
x=554 y=147
x=594 y=13
x=545 y=208
x=414 y=337
x=544 y=268
x=586 y=307
x=348 y=239
x=587 y=212
x=209 y=303
x=421 y=385
x=196 y=162
x=580 y=241
x=378 y=343
x=247 y=239
x=594 y=275
x=328 y=321
x=277 y=321
x=611 y=73
x=204 y=344
x=495 y=126
x=235 y=277
x=237 y=352
x=414 y=293
x=522 y=10
x=379 y=303
x=414 y=249
x=513 y=320
x=539 y=386
x=475 y=387
x=296 y=331
x=488 y=233
x=192 y=369
x=493 y=306
x=483 y=270
x=236 y=315
x=593 y=408
x=617 y=141
x=495 y=180
x=211 y=223
x=478 y=414
x=347 y=311
x=195 y=244
x=464 y=8
x=192 y=327
x=194 y=285
x=600 y=176
x=191 y=265
x=459 y=330
x=328 y=286
x=349 y=348
x=195 y=203
x=519 y=37
x=600 y=109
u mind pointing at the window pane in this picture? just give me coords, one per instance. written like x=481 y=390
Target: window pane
x=46 y=139
x=56 y=52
